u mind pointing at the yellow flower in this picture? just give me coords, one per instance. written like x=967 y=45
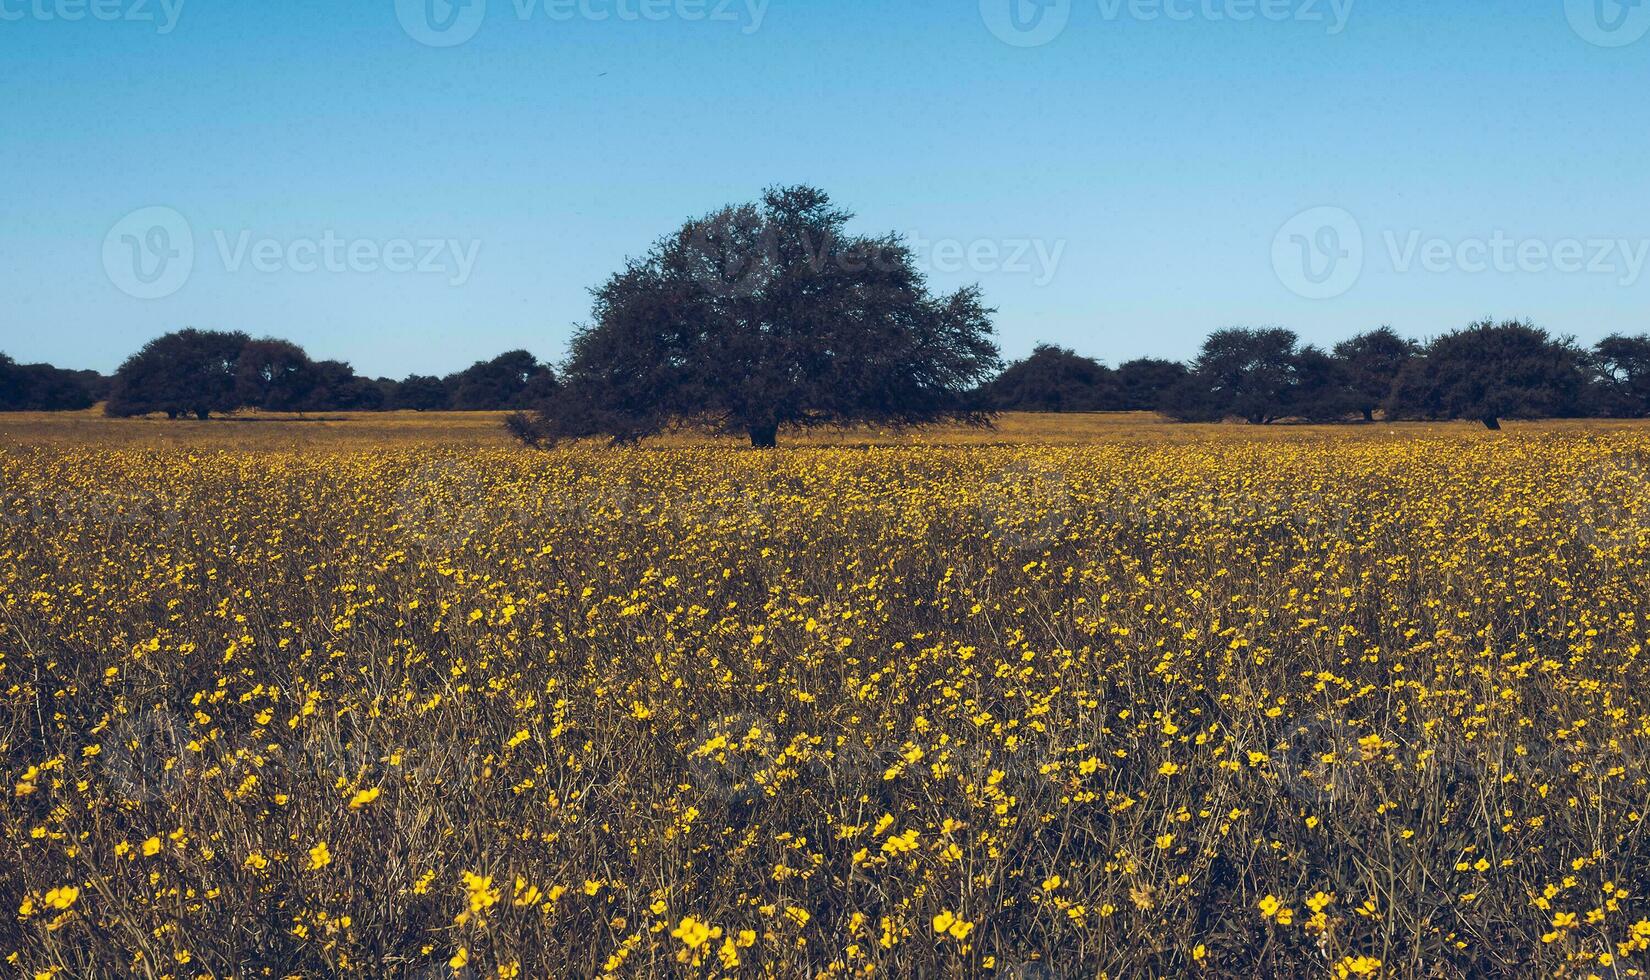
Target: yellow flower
x=62 y=898
x=694 y=933
x=363 y=797
x=319 y=857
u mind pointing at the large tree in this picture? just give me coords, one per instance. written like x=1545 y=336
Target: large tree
x=187 y=372
x=1054 y=379
x=765 y=316
x=1490 y=372
x=1373 y=361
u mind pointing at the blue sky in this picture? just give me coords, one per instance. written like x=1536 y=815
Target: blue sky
x=1121 y=177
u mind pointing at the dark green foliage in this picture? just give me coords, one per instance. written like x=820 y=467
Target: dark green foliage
x=1621 y=368
x=1240 y=373
x=1054 y=379
x=190 y=372
x=1373 y=362
x=1491 y=372
x=512 y=380
x=765 y=316
x=43 y=388
x=420 y=393
x=275 y=375
x=1142 y=384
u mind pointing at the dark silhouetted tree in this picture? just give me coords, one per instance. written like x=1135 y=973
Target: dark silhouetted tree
x=1373 y=362
x=1143 y=383
x=1622 y=368
x=421 y=393
x=1239 y=372
x=1319 y=389
x=1054 y=379
x=274 y=375
x=766 y=316
x=339 y=389
x=43 y=388
x=187 y=372
x=501 y=383
x=1491 y=372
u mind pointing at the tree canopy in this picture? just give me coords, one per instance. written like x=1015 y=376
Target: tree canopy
x=1490 y=372
x=764 y=316
x=1055 y=379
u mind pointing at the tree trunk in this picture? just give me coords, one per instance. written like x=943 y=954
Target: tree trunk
x=1492 y=423
x=1369 y=415
x=764 y=436
x=202 y=414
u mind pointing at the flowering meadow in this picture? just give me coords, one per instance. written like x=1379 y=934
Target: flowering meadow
x=1235 y=702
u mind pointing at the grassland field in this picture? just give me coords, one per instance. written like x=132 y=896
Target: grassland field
x=1079 y=696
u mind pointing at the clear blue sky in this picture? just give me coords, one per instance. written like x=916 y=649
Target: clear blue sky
x=1159 y=158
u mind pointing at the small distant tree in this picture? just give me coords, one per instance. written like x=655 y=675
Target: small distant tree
x=421 y=393
x=1054 y=379
x=1143 y=383
x=1373 y=361
x=1622 y=375
x=765 y=316
x=189 y=372
x=1239 y=372
x=1491 y=372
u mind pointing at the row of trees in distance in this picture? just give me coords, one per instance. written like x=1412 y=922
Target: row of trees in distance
x=201 y=372
x=43 y=388
x=771 y=315
x=1488 y=372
